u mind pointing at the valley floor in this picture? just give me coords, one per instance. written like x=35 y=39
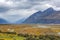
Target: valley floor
x=29 y=32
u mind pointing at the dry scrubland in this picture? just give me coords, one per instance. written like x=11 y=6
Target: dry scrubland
x=29 y=32
x=35 y=29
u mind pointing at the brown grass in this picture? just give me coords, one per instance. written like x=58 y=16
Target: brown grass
x=31 y=29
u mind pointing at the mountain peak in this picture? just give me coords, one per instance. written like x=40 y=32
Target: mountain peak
x=49 y=10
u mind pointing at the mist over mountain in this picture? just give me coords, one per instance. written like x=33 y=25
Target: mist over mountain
x=3 y=21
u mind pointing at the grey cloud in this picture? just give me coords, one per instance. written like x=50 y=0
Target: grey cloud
x=27 y=4
x=3 y=9
x=35 y=0
x=56 y=3
x=31 y=3
x=24 y=6
x=15 y=0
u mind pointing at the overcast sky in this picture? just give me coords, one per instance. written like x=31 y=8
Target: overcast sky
x=14 y=10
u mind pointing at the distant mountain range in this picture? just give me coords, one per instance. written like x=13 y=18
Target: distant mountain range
x=49 y=16
x=3 y=21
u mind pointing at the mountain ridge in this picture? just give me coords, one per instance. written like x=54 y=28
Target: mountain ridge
x=48 y=16
x=3 y=21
